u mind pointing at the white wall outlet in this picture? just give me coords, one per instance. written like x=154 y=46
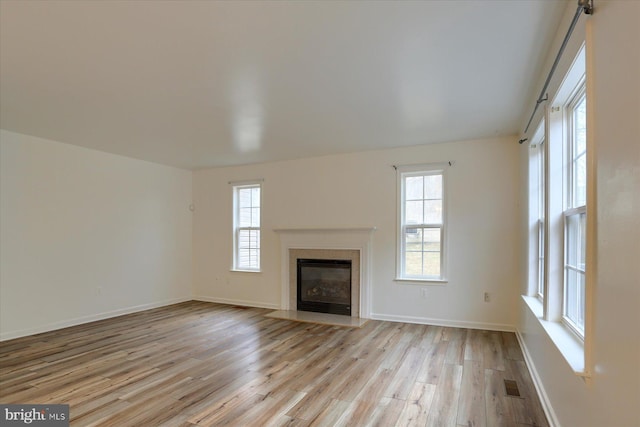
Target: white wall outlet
x=487 y=297
x=424 y=292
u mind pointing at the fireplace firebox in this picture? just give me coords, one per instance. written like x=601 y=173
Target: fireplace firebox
x=324 y=286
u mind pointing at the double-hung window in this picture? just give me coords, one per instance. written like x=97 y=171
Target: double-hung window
x=537 y=208
x=422 y=223
x=246 y=226
x=560 y=220
x=541 y=222
x=575 y=215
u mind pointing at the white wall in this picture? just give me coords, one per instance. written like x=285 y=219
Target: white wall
x=87 y=235
x=359 y=190
x=612 y=395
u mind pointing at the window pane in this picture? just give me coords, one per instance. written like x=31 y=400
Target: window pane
x=244 y=197
x=582 y=258
x=433 y=187
x=243 y=257
x=431 y=240
x=580 y=126
x=579 y=320
x=576 y=240
x=580 y=181
x=248 y=248
x=255 y=217
x=413 y=188
x=541 y=258
x=413 y=212
x=431 y=264
x=413 y=263
x=574 y=307
x=572 y=241
x=571 y=295
x=255 y=197
x=578 y=148
x=413 y=239
x=245 y=217
x=248 y=238
x=433 y=212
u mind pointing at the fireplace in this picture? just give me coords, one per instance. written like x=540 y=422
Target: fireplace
x=327 y=243
x=324 y=285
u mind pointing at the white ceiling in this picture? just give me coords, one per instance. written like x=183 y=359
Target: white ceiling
x=198 y=84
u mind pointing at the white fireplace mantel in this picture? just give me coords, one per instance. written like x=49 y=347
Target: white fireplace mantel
x=356 y=238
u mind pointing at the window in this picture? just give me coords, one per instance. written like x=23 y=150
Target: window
x=422 y=223
x=541 y=225
x=537 y=213
x=575 y=215
x=561 y=221
x=246 y=226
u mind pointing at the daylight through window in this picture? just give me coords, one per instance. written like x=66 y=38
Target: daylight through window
x=422 y=224
x=247 y=204
x=576 y=216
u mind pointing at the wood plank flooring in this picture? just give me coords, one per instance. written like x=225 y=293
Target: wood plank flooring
x=204 y=364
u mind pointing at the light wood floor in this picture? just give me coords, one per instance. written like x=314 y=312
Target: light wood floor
x=208 y=364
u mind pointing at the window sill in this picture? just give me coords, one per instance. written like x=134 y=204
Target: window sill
x=434 y=282
x=238 y=270
x=571 y=348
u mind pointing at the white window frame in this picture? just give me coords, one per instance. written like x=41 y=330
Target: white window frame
x=237 y=229
x=537 y=213
x=572 y=210
x=421 y=170
x=578 y=270
x=575 y=348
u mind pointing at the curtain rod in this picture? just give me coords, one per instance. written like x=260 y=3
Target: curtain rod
x=444 y=163
x=585 y=6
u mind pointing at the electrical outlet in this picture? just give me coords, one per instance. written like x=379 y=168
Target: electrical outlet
x=487 y=297
x=424 y=292
x=99 y=290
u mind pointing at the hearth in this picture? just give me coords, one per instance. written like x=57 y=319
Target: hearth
x=324 y=286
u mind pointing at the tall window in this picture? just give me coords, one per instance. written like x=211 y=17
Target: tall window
x=575 y=215
x=541 y=222
x=537 y=209
x=560 y=220
x=246 y=211
x=422 y=224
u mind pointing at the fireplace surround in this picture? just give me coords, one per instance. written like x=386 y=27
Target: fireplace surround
x=327 y=243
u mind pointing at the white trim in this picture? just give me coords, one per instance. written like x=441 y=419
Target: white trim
x=558 y=158
x=240 y=302
x=567 y=343
x=421 y=170
x=419 y=167
x=501 y=327
x=359 y=239
x=244 y=270
x=88 y=319
x=410 y=281
x=235 y=187
x=246 y=182
x=552 y=418
x=573 y=78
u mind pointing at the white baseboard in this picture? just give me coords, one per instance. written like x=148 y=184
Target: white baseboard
x=443 y=322
x=86 y=319
x=242 y=303
x=537 y=382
